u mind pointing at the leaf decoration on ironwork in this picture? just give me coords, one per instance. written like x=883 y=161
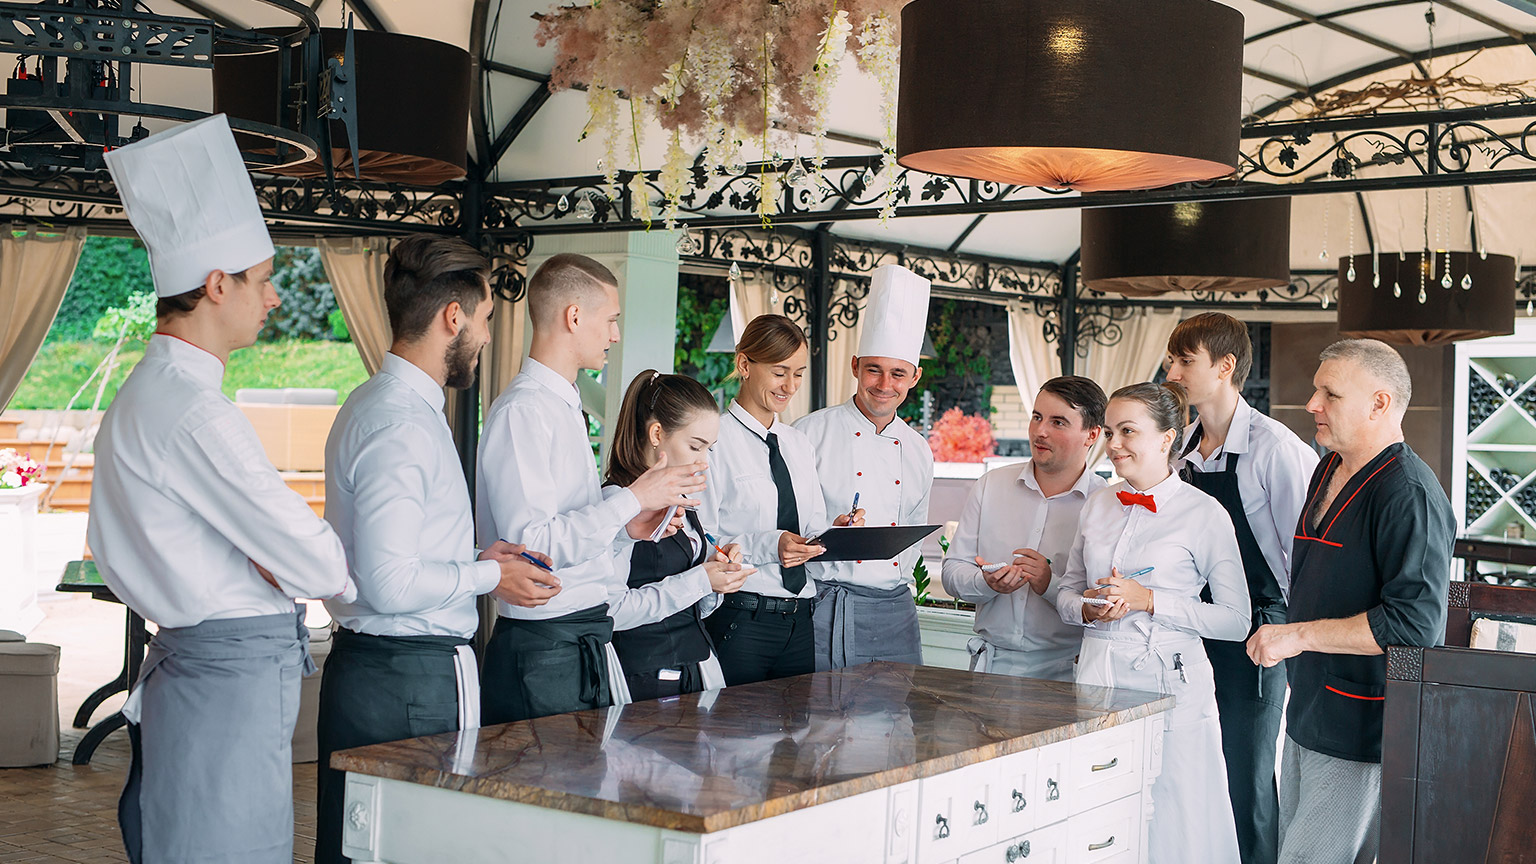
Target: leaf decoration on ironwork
x=1304 y=137
x=904 y=193
x=1287 y=156
x=934 y=189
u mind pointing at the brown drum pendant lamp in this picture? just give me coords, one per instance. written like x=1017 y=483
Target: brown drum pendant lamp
x=1426 y=298
x=412 y=105
x=1090 y=95
x=1236 y=245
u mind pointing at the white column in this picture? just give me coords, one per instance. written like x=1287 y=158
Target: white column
x=645 y=263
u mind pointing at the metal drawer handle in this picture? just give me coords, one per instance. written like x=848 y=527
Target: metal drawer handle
x=942 y=831
x=1094 y=847
x=1018 y=801
x=1107 y=765
x=1017 y=851
x=981 y=813
x=1052 y=790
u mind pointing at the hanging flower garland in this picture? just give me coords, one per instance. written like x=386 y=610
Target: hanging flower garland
x=715 y=74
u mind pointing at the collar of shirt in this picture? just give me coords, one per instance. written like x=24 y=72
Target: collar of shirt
x=751 y=423
x=553 y=381
x=1166 y=490
x=416 y=378
x=196 y=362
x=1081 y=488
x=1237 y=433
x=860 y=421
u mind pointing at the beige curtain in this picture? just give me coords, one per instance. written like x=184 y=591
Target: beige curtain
x=841 y=349
x=1034 y=360
x=355 y=266
x=503 y=358
x=1135 y=358
x=34 y=272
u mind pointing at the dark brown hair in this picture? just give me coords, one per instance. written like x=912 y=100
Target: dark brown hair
x=181 y=304
x=770 y=339
x=1082 y=394
x=564 y=280
x=1219 y=334
x=425 y=273
x=671 y=400
x=1166 y=403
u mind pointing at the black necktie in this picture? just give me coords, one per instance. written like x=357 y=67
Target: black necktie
x=789 y=514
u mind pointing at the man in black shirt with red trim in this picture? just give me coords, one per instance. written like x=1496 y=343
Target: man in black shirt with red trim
x=1370 y=567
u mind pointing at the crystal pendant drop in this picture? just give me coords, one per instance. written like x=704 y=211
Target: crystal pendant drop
x=1323 y=255
x=1397 y=290
x=1349 y=275
x=797 y=174
x=1483 y=254
x=1466 y=282
x=563 y=204
x=1530 y=308
x=1375 y=280
x=1423 y=298
x=735 y=273
x=1445 y=281
x=687 y=244
x=585 y=209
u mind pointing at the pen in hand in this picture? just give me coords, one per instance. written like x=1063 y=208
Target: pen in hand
x=540 y=564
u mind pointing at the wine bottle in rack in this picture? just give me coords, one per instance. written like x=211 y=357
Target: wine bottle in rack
x=1482 y=400
x=1480 y=497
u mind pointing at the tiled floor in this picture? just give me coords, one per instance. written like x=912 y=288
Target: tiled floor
x=63 y=813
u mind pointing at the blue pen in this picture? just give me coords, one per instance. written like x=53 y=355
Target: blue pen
x=536 y=561
x=855 y=507
x=711 y=541
x=1142 y=572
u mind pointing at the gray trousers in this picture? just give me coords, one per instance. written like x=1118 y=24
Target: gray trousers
x=1330 y=809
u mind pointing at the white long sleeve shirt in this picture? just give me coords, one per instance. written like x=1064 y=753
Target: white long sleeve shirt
x=395 y=493
x=634 y=607
x=184 y=499
x=537 y=484
x=1190 y=543
x=1272 y=475
x=892 y=472
x=740 y=504
x=1006 y=511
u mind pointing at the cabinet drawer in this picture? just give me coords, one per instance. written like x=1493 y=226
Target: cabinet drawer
x=1111 y=833
x=1014 y=804
x=1045 y=846
x=1106 y=766
x=955 y=812
x=1052 y=801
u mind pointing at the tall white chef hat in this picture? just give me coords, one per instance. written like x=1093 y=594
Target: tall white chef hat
x=896 y=315
x=188 y=195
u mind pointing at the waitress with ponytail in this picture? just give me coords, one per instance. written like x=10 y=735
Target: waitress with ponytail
x=1146 y=548
x=657 y=620
x=762 y=492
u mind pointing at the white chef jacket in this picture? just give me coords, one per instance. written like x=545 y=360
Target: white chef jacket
x=395 y=493
x=537 y=484
x=1273 y=471
x=648 y=604
x=1006 y=511
x=184 y=498
x=1190 y=542
x=893 y=473
x=740 y=504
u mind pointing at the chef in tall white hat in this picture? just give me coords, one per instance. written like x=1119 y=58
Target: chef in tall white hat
x=193 y=528
x=869 y=460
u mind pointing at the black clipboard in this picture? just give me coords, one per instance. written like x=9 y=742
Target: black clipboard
x=870 y=544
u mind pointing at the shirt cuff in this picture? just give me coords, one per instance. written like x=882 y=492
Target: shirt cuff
x=1381 y=631
x=487 y=576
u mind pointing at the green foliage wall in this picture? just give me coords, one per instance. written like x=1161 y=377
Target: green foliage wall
x=306 y=293
x=701 y=304
x=111 y=270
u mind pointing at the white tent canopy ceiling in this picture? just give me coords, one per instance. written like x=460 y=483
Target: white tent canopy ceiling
x=1293 y=48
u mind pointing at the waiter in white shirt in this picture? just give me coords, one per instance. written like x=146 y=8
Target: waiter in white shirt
x=194 y=530
x=1027 y=519
x=1259 y=470
x=400 y=665
x=864 y=609
x=537 y=485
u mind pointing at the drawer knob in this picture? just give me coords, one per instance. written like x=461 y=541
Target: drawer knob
x=1094 y=847
x=1107 y=765
x=1018 y=851
x=1018 y=801
x=942 y=831
x=1052 y=790
x=981 y=813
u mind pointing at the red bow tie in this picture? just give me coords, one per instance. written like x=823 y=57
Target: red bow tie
x=1130 y=498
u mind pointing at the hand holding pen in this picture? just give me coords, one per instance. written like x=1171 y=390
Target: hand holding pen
x=854 y=518
x=1123 y=593
x=725 y=570
x=527 y=579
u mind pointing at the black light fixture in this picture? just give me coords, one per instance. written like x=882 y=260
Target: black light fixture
x=1426 y=298
x=1091 y=95
x=1237 y=245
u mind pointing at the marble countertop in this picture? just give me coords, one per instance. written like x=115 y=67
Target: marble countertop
x=710 y=761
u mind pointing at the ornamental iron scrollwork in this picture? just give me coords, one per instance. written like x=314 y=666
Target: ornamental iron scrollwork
x=1100 y=325
x=509 y=265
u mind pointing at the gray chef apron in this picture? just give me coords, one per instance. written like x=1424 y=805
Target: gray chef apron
x=854 y=625
x=211 y=721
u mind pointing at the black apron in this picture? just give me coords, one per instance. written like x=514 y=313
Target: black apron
x=535 y=668
x=376 y=689
x=1249 y=699
x=678 y=641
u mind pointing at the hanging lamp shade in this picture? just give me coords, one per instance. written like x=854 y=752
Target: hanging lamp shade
x=412 y=105
x=1236 y=245
x=1090 y=95
x=1402 y=299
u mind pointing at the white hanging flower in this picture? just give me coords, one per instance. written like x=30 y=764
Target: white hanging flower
x=640 y=200
x=879 y=53
x=673 y=178
x=671 y=87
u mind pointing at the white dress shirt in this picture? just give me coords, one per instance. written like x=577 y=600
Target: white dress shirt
x=1273 y=471
x=1190 y=543
x=184 y=499
x=892 y=472
x=648 y=604
x=537 y=484
x=395 y=493
x=1006 y=511
x=740 y=504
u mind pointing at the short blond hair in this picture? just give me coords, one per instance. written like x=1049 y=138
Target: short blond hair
x=566 y=280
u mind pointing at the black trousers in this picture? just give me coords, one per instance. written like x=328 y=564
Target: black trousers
x=376 y=689
x=759 y=646
x=552 y=666
x=1250 y=728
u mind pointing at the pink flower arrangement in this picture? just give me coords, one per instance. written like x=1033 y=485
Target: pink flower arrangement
x=17 y=469
x=961 y=437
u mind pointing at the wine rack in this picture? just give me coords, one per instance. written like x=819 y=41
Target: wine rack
x=1494 y=492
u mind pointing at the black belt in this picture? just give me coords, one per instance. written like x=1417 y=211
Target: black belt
x=774 y=605
x=351 y=640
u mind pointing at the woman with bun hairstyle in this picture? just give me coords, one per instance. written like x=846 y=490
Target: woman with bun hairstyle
x=658 y=622
x=1156 y=568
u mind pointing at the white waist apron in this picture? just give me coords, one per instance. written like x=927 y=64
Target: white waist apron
x=1049 y=664
x=1191 y=809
